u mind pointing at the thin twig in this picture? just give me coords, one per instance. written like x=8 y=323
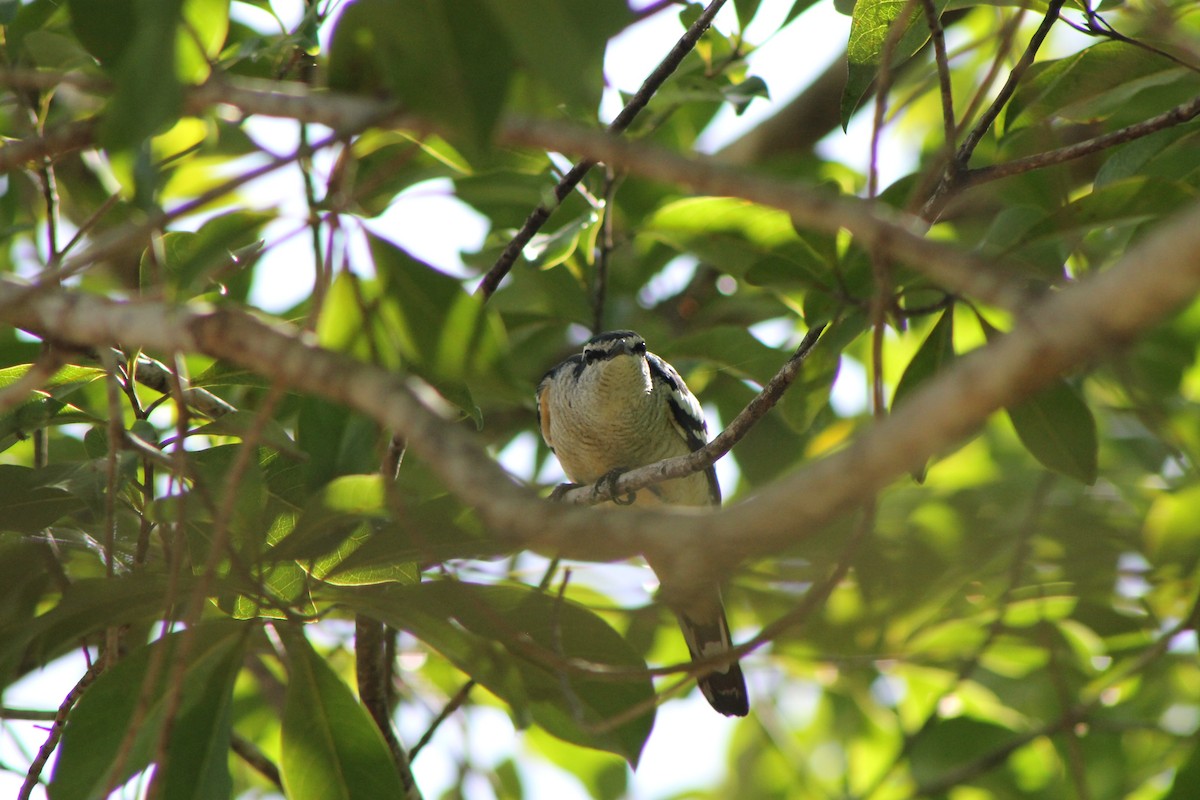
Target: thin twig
x=1010 y=86
x=883 y=85
x=248 y=751
x=1185 y=112
x=962 y=158
x=56 y=729
x=943 y=70
x=538 y=217
x=599 y=294
x=455 y=703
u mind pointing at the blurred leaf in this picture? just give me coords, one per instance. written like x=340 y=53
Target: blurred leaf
x=1056 y=426
x=148 y=91
x=440 y=330
x=547 y=250
x=733 y=349
x=438 y=59
x=1172 y=537
x=740 y=238
x=1058 y=429
x=103 y=27
x=331 y=747
x=1087 y=85
x=207 y=22
x=1124 y=202
x=540 y=630
x=97 y=724
x=952 y=743
x=934 y=355
x=333 y=513
x=1187 y=777
x=29 y=504
x=746 y=10
x=336 y=441
x=562 y=42
x=243 y=424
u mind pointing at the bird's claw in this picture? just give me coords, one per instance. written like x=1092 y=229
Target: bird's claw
x=608 y=482
x=557 y=494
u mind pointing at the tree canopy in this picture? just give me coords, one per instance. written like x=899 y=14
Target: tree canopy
x=288 y=550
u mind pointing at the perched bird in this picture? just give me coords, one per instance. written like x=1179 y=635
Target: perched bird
x=615 y=407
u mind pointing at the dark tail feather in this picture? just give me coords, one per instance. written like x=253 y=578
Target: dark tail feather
x=724 y=687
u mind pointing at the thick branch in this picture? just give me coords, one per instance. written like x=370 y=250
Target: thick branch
x=1063 y=331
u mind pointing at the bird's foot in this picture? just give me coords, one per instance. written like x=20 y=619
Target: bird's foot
x=556 y=495
x=608 y=482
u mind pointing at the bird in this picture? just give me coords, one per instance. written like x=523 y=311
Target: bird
x=613 y=407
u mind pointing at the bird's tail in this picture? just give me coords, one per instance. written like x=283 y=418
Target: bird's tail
x=724 y=687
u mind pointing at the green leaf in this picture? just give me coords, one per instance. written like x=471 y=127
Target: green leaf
x=1127 y=202
x=148 y=91
x=198 y=755
x=29 y=503
x=547 y=250
x=1172 y=536
x=103 y=27
x=1056 y=426
x=220 y=255
x=249 y=423
x=731 y=348
x=97 y=725
x=440 y=330
x=934 y=355
x=206 y=23
x=1058 y=429
x=492 y=624
x=746 y=9
x=439 y=59
x=88 y=605
x=332 y=749
x=869 y=25
x=562 y=42
x=1089 y=85
x=336 y=441
x=741 y=238
x=1187 y=777
x=332 y=515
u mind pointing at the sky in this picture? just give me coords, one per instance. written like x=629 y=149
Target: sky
x=687 y=748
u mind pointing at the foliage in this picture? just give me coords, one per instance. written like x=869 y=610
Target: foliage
x=1017 y=619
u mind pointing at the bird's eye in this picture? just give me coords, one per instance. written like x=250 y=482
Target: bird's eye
x=640 y=348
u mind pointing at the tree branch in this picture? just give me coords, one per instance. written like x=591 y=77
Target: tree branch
x=1185 y=112
x=1062 y=331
